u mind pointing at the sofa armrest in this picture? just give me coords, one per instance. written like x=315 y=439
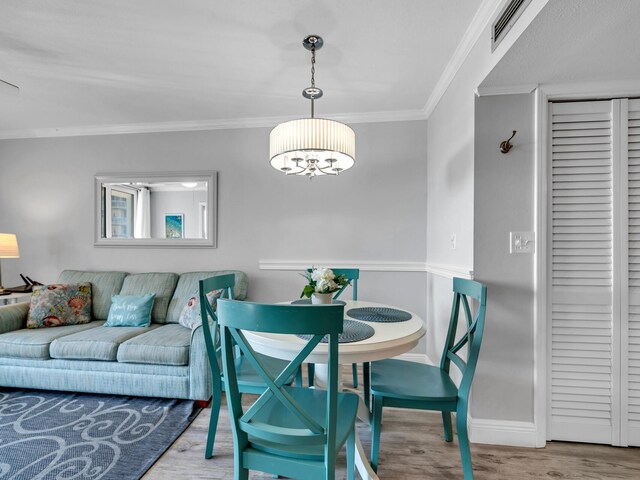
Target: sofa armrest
x=199 y=370
x=13 y=317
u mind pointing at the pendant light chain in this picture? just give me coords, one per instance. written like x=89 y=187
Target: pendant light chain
x=313 y=65
x=313 y=76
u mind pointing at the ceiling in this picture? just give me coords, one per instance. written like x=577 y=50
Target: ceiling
x=574 y=41
x=82 y=63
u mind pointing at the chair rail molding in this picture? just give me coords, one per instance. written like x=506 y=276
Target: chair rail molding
x=449 y=271
x=364 y=266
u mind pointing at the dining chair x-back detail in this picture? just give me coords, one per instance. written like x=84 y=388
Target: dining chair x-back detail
x=248 y=379
x=287 y=431
x=404 y=384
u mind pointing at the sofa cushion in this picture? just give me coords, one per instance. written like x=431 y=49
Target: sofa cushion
x=29 y=343
x=166 y=345
x=188 y=284
x=162 y=284
x=103 y=285
x=130 y=310
x=98 y=344
x=60 y=304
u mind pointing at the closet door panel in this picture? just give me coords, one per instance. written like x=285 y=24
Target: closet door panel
x=631 y=341
x=582 y=273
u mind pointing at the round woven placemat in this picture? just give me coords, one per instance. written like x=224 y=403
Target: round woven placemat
x=307 y=301
x=379 y=314
x=352 y=331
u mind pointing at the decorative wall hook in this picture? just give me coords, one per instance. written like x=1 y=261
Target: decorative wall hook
x=506 y=146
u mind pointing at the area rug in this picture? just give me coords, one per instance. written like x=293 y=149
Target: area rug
x=66 y=436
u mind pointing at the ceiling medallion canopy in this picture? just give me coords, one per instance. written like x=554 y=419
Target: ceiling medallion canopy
x=312 y=147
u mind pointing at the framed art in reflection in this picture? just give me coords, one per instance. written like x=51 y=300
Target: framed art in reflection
x=174 y=225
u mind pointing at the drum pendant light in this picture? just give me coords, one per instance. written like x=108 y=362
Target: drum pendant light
x=312 y=147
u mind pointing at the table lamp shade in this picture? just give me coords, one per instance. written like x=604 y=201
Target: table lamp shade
x=9 y=246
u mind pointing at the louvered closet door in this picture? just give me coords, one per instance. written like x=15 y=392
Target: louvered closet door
x=631 y=322
x=584 y=383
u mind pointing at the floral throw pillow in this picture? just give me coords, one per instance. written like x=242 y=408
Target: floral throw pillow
x=58 y=304
x=190 y=316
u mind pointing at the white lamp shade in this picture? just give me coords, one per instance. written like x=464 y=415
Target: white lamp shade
x=312 y=146
x=9 y=246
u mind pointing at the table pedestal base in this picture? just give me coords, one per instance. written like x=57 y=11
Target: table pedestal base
x=362 y=461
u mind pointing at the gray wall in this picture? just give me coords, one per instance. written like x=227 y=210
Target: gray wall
x=504 y=202
x=450 y=154
x=480 y=195
x=375 y=212
x=186 y=203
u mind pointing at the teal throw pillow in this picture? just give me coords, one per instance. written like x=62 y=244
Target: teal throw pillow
x=130 y=310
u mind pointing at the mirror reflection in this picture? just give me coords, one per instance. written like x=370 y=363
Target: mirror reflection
x=158 y=210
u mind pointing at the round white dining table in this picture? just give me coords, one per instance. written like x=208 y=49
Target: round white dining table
x=390 y=339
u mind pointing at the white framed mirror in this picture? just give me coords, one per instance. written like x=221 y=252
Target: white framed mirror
x=168 y=209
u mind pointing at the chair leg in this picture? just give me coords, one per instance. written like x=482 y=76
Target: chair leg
x=241 y=473
x=366 y=378
x=376 y=425
x=330 y=463
x=446 y=420
x=463 y=441
x=351 y=455
x=299 y=377
x=311 y=370
x=354 y=373
x=213 y=424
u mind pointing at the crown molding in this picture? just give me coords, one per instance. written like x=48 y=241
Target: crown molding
x=610 y=89
x=198 y=125
x=486 y=12
x=506 y=90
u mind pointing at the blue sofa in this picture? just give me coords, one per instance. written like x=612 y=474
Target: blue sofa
x=163 y=360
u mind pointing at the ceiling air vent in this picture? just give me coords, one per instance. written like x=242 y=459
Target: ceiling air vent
x=507 y=18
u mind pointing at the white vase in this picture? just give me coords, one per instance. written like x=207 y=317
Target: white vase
x=321 y=298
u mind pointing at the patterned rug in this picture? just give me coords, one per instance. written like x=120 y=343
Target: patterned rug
x=67 y=436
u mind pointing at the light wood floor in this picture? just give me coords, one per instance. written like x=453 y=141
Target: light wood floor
x=413 y=449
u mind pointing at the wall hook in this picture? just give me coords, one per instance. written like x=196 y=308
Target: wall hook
x=506 y=146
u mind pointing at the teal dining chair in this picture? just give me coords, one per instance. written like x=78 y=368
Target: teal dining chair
x=403 y=384
x=352 y=275
x=248 y=379
x=288 y=431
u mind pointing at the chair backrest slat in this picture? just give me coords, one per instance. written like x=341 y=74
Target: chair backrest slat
x=463 y=291
x=210 y=331
x=236 y=317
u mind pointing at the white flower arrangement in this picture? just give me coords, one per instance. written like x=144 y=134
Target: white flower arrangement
x=322 y=280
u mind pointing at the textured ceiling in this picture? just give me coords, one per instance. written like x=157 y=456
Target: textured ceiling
x=575 y=41
x=117 y=62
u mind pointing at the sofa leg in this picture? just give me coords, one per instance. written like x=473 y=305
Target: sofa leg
x=202 y=403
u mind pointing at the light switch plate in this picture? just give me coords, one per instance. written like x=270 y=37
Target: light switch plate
x=522 y=242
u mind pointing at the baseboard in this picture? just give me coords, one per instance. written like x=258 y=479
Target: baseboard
x=502 y=432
